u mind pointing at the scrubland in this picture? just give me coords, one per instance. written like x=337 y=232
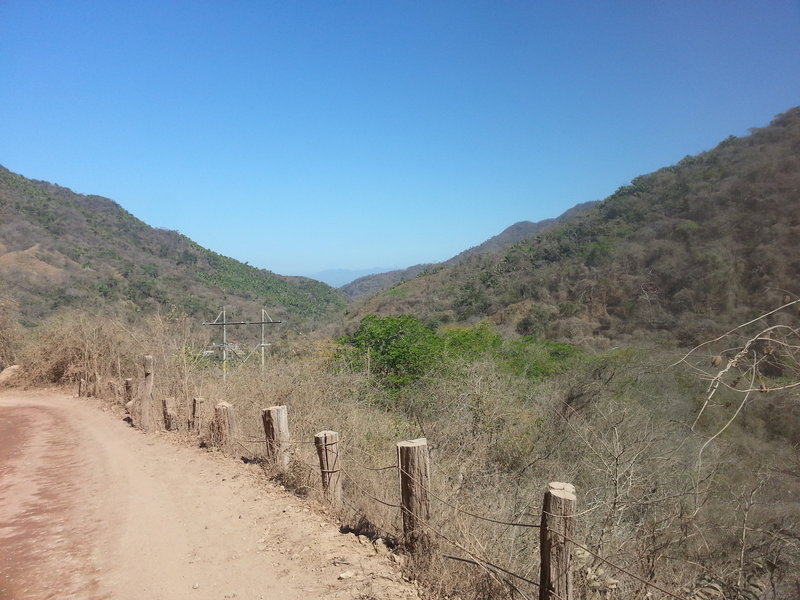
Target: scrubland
x=687 y=471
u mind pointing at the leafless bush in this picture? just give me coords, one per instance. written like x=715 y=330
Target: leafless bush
x=10 y=337
x=751 y=370
x=75 y=347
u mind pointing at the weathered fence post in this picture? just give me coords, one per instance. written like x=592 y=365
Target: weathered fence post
x=170 y=414
x=276 y=431
x=81 y=387
x=196 y=415
x=128 y=390
x=149 y=420
x=327 y=443
x=224 y=426
x=415 y=470
x=558 y=526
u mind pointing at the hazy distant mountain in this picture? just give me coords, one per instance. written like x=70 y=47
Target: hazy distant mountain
x=374 y=284
x=339 y=277
x=61 y=249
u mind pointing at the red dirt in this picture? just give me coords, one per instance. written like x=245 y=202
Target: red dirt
x=91 y=508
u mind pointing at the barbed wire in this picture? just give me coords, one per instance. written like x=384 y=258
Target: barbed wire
x=605 y=560
x=475 y=562
x=367 y=494
x=461 y=510
x=617 y=567
x=387 y=468
x=428 y=490
x=484 y=563
x=490 y=567
x=350 y=446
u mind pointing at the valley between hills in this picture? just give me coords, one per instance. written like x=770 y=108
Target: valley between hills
x=644 y=348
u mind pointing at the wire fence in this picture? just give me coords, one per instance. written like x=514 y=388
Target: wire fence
x=371 y=498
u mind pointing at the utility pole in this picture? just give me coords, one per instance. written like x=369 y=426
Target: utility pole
x=224 y=346
x=265 y=320
x=263 y=345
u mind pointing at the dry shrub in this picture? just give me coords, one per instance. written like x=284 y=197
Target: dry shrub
x=11 y=337
x=104 y=350
x=615 y=426
x=74 y=347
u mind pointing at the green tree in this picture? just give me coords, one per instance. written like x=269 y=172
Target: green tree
x=399 y=349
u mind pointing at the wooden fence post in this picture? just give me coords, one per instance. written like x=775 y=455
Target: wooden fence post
x=415 y=471
x=196 y=415
x=170 y=414
x=128 y=390
x=81 y=387
x=558 y=525
x=149 y=418
x=276 y=430
x=327 y=443
x=224 y=426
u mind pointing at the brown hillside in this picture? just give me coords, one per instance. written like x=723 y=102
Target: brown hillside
x=378 y=282
x=677 y=254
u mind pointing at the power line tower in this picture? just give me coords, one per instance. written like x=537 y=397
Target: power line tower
x=222 y=321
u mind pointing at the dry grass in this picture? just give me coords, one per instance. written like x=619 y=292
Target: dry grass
x=616 y=428
x=10 y=338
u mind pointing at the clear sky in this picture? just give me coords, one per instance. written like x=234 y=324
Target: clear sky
x=307 y=135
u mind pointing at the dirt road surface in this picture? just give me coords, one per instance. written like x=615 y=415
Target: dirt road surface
x=91 y=509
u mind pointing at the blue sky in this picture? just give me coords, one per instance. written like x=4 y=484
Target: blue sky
x=302 y=136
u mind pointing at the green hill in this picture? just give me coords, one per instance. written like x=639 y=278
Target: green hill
x=679 y=253
x=61 y=249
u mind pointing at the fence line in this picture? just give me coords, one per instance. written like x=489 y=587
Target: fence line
x=361 y=450
x=415 y=493
x=501 y=569
x=477 y=560
x=466 y=512
x=388 y=468
x=367 y=494
x=482 y=562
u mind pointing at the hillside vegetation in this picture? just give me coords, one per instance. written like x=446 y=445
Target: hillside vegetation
x=59 y=249
x=678 y=253
x=553 y=360
x=378 y=282
x=678 y=493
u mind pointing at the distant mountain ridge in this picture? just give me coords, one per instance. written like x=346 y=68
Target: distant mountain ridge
x=518 y=232
x=60 y=249
x=339 y=277
x=376 y=283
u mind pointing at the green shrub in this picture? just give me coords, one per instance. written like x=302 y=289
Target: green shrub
x=473 y=341
x=397 y=349
x=535 y=358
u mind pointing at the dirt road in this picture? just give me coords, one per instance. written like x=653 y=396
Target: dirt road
x=91 y=508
